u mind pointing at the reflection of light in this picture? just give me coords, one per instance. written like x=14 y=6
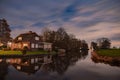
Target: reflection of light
x=36 y=59
x=18 y=67
x=80 y=50
x=32 y=61
x=8 y=60
x=26 y=62
x=36 y=67
x=0 y=60
x=13 y=60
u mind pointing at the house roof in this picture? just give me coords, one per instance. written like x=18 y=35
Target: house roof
x=29 y=36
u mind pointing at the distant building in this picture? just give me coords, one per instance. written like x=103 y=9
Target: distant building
x=4 y=32
x=31 y=40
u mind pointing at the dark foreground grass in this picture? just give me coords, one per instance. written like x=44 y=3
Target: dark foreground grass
x=109 y=52
x=20 y=53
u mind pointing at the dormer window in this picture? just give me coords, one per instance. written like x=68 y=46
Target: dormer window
x=36 y=38
x=19 y=38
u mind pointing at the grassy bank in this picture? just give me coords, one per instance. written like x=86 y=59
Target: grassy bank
x=20 y=53
x=10 y=52
x=109 y=52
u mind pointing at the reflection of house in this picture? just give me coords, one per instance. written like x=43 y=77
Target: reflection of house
x=27 y=68
x=30 y=40
x=30 y=65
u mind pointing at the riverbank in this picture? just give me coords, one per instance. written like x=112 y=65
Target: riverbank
x=114 y=61
x=18 y=54
x=109 y=52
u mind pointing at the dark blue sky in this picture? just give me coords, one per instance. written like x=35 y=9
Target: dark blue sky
x=87 y=19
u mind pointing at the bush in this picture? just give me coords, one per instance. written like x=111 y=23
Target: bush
x=24 y=51
x=40 y=49
x=25 y=48
x=3 y=47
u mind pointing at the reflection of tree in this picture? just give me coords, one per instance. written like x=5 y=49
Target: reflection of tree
x=61 y=63
x=84 y=53
x=57 y=63
x=3 y=69
x=47 y=67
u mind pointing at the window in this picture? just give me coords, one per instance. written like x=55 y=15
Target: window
x=19 y=38
x=19 y=45
x=32 y=45
x=25 y=44
x=36 y=46
x=37 y=38
x=9 y=44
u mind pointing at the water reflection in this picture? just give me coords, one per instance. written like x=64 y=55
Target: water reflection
x=3 y=69
x=61 y=63
x=49 y=63
x=69 y=66
x=106 y=60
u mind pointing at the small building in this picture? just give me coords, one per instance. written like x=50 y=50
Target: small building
x=30 y=40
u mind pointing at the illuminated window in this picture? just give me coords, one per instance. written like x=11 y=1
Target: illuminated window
x=25 y=44
x=19 y=38
x=19 y=45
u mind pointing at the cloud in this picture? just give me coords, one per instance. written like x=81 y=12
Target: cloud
x=88 y=20
x=103 y=29
x=116 y=37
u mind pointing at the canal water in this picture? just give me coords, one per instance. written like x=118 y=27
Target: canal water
x=69 y=66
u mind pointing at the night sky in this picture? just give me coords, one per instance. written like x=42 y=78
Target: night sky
x=86 y=19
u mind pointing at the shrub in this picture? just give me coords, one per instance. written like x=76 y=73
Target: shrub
x=3 y=47
x=24 y=51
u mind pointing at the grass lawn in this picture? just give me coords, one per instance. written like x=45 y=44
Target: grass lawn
x=20 y=53
x=109 y=52
x=10 y=52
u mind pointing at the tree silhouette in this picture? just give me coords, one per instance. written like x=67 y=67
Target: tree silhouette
x=104 y=43
x=94 y=45
x=4 y=32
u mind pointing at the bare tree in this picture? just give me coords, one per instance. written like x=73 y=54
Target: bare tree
x=104 y=43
